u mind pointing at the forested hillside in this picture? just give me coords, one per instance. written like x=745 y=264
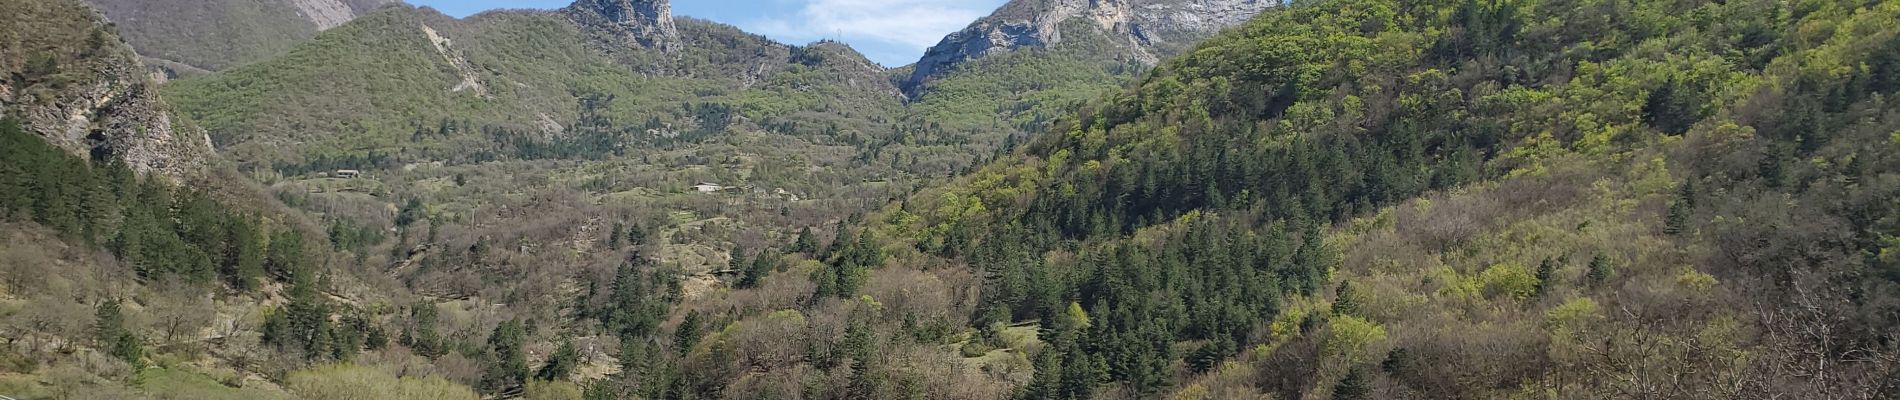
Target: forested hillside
x=1368 y=199
x=133 y=262
x=1345 y=199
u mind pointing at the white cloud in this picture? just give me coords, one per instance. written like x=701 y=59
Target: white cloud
x=914 y=24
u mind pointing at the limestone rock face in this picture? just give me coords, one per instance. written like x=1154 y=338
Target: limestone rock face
x=648 y=23
x=1145 y=30
x=98 y=102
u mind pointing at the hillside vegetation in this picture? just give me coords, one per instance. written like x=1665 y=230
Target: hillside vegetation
x=1345 y=199
x=1367 y=199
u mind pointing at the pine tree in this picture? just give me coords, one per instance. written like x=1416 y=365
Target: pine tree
x=284 y=258
x=756 y=272
x=614 y=236
x=1680 y=210
x=1346 y=302
x=1545 y=272
x=806 y=243
x=1355 y=386
x=506 y=365
x=1600 y=270
x=561 y=364
x=244 y=258
x=736 y=259
x=1672 y=108
x=687 y=334
x=110 y=334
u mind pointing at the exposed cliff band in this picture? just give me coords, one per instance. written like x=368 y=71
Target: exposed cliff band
x=647 y=23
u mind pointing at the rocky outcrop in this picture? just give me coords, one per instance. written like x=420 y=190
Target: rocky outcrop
x=325 y=14
x=1145 y=30
x=471 y=80
x=646 y=23
x=97 y=100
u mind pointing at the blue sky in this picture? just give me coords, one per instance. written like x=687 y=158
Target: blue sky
x=890 y=32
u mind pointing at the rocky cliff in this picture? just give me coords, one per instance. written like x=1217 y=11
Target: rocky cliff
x=647 y=23
x=1143 y=30
x=77 y=85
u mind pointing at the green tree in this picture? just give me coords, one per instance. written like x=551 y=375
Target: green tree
x=1600 y=270
x=110 y=334
x=1346 y=300
x=806 y=243
x=1356 y=385
x=1673 y=108
x=561 y=364
x=1546 y=271
x=1680 y=210
x=506 y=365
x=687 y=334
x=756 y=271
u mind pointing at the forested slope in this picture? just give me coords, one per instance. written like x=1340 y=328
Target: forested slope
x=1372 y=199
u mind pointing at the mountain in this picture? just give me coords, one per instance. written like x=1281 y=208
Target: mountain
x=1135 y=30
x=527 y=71
x=76 y=85
x=1010 y=74
x=193 y=37
x=1346 y=199
x=123 y=231
x=1359 y=199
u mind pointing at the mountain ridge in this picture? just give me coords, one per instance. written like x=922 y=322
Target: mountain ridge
x=1144 y=30
x=193 y=37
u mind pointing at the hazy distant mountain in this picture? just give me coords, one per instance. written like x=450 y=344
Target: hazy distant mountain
x=185 y=37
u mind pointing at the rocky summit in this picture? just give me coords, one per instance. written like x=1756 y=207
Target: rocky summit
x=1144 y=30
x=648 y=23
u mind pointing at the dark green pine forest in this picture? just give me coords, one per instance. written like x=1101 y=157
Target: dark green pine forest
x=1337 y=199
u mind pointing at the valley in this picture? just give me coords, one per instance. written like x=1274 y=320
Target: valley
x=1069 y=199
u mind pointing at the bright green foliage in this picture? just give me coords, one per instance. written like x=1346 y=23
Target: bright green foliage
x=1321 y=113
x=551 y=390
x=1508 y=281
